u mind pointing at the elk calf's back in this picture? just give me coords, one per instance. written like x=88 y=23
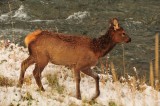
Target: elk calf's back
x=78 y=52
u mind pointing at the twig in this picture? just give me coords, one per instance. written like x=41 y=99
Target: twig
x=151 y=75
x=102 y=67
x=124 y=67
x=13 y=39
x=157 y=60
x=113 y=72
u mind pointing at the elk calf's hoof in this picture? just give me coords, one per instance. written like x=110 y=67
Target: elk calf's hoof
x=96 y=95
x=42 y=89
x=78 y=97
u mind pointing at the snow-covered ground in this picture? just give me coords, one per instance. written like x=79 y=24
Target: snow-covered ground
x=63 y=92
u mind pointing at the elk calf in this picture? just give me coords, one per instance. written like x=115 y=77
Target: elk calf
x=79 y=52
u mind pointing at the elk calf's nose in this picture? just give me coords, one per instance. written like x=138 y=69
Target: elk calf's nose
x=129 y=40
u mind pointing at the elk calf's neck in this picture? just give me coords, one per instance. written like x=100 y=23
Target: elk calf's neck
x=78 y=52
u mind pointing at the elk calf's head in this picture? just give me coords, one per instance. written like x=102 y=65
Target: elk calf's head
x=117 y=33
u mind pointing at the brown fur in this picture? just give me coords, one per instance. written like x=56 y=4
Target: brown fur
x=78 y=52
x=31 y=37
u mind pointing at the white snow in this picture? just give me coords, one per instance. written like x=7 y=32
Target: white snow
x=122 y=94
x=38 y=20
x=3 y=17
x=18 y=14
x=79 y=16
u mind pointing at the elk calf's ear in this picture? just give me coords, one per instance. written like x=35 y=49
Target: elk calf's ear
x=114 y=23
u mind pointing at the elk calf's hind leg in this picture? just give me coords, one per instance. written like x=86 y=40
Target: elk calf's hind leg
x=37 y=75
x=94 y=75
x=25 y=64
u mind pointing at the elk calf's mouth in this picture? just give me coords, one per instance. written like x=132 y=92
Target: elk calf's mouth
x=128 y=40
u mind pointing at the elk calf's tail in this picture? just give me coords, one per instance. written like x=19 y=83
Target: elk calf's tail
x=31 y=37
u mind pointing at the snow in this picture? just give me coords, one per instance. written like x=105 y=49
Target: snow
x=3 y=17
x=78 y=16
x=122 y=94
x=19 y=14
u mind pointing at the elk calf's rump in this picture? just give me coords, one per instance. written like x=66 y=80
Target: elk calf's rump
x=78 y=52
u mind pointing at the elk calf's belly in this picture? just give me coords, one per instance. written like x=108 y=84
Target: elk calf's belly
x=60 y=59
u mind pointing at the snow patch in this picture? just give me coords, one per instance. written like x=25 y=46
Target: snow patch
x=18 y=14
x=4 y=17
x=120 y=93
x=79 y=16
x=38 y=20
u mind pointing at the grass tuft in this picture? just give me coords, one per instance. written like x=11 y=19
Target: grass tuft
x=151 y=75
x=4 y=81
x=157 y=60
x=113 y=72
x=53 y=82
x=112 y=103
x=73 y=104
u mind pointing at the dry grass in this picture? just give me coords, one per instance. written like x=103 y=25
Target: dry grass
x=53 y=82
x=138 y=84
x=12 y=25
x=112 y=103
x=86 y=102
x=4 y=81
x=102 y=67
x=124 y=67
x=114 y=75
x=73 y=104
x=28 y=80
x=157 y=65
x=157 y=60
x=151 y=75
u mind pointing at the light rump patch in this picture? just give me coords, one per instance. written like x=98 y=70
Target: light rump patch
x=31 y=37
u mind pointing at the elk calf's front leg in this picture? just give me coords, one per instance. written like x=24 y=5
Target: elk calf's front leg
x=78 y=79
x=94 y=75
x=78 y=92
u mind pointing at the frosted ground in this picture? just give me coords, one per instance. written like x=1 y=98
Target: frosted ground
x=63 y=92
